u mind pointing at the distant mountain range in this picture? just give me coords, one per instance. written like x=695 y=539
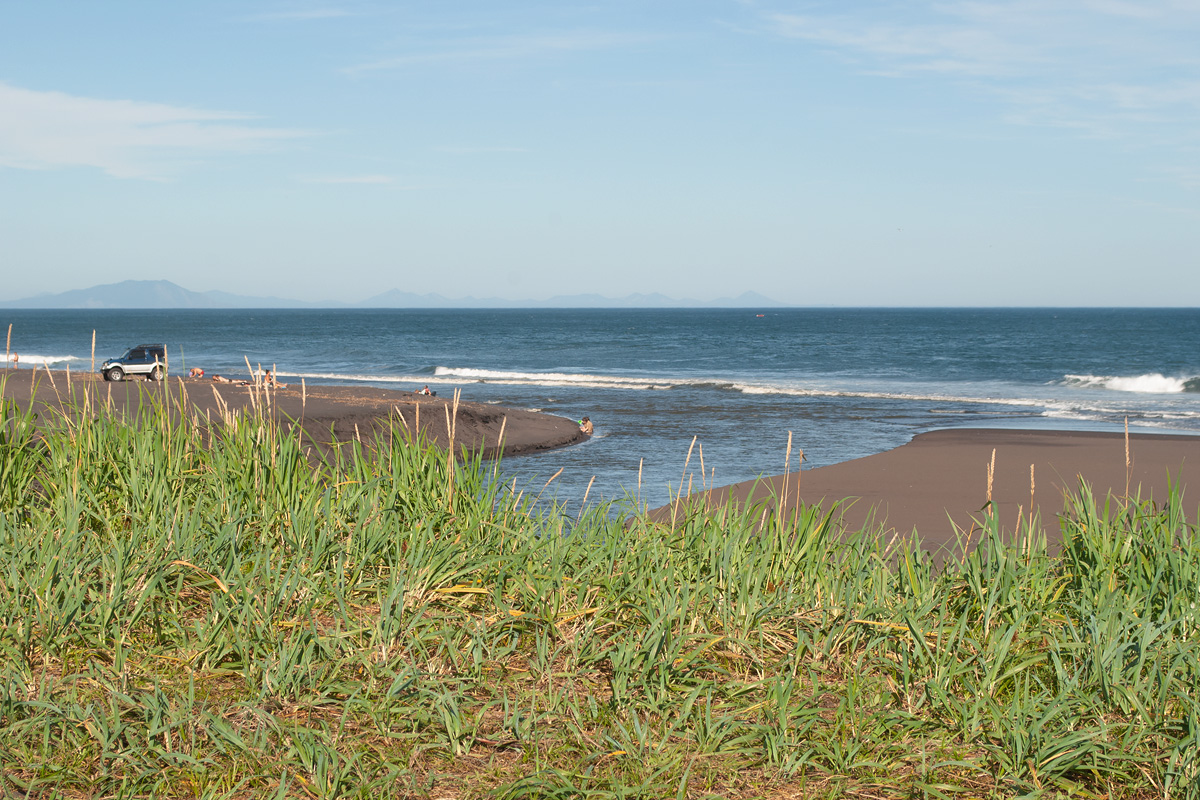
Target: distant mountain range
x=146 y=294
x=165 y=294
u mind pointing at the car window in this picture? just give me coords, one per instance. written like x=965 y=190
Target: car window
x=137 y=355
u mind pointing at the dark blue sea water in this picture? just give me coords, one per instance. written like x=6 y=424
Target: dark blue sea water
x=845 y=382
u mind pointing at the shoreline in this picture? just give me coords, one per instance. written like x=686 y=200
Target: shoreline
x=938 y=481
x=325 y=412
x=935 y=484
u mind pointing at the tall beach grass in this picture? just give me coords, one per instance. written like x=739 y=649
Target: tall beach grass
x=201 y=608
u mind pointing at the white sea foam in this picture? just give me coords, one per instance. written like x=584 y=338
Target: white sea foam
x=445 y=376
x=353 y=377
x=1144 y=415
x=1151 y=383
x=793 y=391
x=584 y=380
x=32 y=360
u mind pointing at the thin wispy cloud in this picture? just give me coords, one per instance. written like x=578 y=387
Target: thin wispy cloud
x=299 y=15
x=894 y=48
x=1003 y=39
x=497 y=48
x=1092 y=64
x=466 y=150
x=1186 y=176
x=350 y=179
x=124 y=138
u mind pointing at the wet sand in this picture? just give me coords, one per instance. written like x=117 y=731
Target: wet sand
x=937 y=484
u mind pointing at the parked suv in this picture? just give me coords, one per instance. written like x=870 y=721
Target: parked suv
x=145 y=359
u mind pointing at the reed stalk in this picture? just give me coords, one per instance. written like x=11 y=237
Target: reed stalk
x=641 y=463
x=1128 y=460
x=1032 y=485
x=991 y=474
x=787 y=465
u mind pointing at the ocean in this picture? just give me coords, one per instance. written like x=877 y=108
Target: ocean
x=727 y=386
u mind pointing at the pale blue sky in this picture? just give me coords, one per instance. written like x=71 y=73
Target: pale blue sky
x=849 y=153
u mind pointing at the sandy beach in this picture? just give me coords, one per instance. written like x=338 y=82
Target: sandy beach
x=939 y=481
x=326 y=412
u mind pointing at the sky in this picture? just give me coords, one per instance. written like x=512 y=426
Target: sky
x=913 y=153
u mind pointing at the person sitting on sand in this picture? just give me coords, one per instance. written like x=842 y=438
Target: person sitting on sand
x=585 y=426
x=195 y=372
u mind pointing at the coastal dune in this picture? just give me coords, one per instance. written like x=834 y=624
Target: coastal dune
x=938 y=484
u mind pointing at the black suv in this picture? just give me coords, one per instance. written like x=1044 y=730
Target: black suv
x=145 y=359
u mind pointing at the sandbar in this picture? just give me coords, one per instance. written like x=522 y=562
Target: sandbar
x=326 y=413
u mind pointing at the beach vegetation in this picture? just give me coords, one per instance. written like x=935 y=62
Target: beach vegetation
x=196 y=607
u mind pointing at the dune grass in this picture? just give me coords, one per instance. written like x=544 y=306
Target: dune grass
x=208 y=610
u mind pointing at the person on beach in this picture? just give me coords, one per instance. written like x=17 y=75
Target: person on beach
x=195 y=372
x=585 y=426
x=14 y=358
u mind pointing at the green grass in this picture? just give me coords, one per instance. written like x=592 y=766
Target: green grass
x=214 y=611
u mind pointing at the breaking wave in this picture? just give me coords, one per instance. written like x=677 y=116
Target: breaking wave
x=584 y=380
x=1151 y=383
x=869 y=395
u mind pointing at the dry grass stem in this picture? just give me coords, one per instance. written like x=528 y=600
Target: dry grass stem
x=991 y=473
x=1128 y=460
x=787 y=466
x=552 y=477
x=687 y=461
x=586 y=492
x=1031 y=493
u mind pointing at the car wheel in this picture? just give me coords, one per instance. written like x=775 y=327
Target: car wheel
x=156 y=373
x=115 y=374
